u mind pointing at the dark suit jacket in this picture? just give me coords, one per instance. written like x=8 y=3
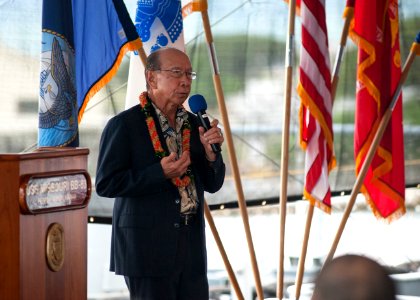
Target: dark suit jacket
x=146 y=217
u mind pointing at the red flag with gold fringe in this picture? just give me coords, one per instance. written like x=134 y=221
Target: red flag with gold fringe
x=376 y=32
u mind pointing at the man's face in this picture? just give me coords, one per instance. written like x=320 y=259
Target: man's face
x=173 y=80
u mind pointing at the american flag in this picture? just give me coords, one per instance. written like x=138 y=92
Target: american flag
x=314 y=89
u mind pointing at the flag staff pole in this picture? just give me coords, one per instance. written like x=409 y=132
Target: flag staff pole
x=138 y=46
x=348 y=14
x=219 y=243
x=302 y=257
x=142 y=55
x=230 y=146
x=285 y=144
x=415 y=50
x=210 y=221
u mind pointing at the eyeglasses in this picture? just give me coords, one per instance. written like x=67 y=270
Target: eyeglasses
x=177 y=73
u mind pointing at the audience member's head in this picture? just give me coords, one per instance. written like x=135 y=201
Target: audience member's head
x=354 y=277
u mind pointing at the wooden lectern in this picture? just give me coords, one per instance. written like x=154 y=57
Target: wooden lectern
x=43 y=224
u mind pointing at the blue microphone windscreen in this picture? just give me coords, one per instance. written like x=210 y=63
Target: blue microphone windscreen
x=418 y=38
x=197 y=103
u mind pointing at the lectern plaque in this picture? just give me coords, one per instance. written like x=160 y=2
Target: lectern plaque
x=53 y=192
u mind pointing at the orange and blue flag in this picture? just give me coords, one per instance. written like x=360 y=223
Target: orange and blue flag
x=83 y=43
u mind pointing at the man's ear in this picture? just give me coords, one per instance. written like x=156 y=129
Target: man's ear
x=151 y=79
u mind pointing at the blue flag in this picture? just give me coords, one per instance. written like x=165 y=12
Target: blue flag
x=83 y=43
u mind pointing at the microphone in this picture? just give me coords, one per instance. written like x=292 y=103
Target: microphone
x=198 y=106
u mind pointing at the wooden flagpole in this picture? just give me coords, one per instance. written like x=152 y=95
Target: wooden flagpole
x=142 y=55
x=219 y=243
x=302 y=258
x=339 y=57
x=415 y=50
x=231 y=149
x=334 y=83
x=285 y=144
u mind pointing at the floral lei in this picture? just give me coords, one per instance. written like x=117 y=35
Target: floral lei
x=146 y=105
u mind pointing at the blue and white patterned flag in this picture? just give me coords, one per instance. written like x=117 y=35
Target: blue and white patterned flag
x=159 y=24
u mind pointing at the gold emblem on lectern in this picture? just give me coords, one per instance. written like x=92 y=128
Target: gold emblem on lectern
x=55 y=247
